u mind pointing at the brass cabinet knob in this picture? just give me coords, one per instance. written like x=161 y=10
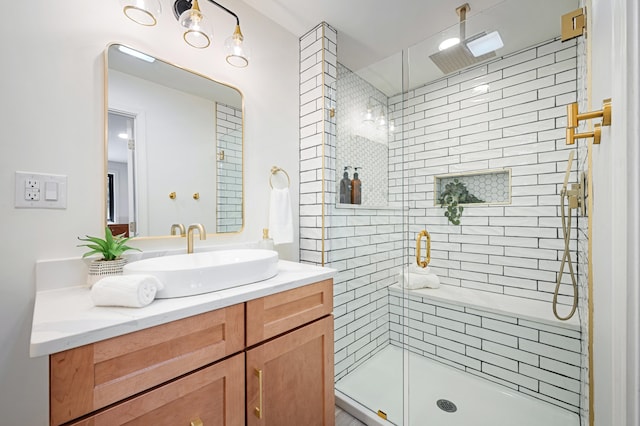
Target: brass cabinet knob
x=197 y=422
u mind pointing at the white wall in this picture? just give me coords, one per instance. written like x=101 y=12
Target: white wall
x=52 y=111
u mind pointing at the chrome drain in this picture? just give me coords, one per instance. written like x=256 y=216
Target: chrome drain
x=446 y=405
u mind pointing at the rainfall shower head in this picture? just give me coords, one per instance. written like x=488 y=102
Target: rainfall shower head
x=459 y=56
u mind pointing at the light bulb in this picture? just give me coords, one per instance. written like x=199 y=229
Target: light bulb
x=237 y=51
x=197 y=30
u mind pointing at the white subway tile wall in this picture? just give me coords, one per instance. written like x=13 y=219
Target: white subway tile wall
x=518 y=123
x=229 y=170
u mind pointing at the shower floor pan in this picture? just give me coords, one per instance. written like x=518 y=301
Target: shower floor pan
x=377 y=385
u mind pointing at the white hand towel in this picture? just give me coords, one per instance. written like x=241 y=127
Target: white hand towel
x=133 y=291
x=280 y=216
x=414 y=278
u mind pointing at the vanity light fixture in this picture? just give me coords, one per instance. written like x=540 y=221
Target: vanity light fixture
x=196 y=30
x=368 y=116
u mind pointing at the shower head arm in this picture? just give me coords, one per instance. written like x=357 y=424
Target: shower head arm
x=462 y=13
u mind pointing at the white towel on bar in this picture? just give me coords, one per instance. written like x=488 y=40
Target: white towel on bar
x=280 y=216
x=132 y=291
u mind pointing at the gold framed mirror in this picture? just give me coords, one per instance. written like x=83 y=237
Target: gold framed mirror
x=174 y=143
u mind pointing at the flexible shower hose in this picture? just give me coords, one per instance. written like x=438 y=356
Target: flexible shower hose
x=566 y=258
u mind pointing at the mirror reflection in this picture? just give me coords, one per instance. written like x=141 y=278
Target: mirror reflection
x=174 y=148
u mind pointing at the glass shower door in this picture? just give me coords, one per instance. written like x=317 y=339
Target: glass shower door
x=369 y=217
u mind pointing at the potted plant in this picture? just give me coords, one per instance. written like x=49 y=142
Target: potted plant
x=454 y=194
x=110 y=248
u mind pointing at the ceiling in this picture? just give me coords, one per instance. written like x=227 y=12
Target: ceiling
x=373 y=33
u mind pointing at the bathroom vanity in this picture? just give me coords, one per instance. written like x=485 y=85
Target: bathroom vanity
x=255 y=354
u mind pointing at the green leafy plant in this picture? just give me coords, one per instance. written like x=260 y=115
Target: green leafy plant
x=111 y=247
x=454 y=194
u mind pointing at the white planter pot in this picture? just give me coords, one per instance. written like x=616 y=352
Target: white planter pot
x=99 y=269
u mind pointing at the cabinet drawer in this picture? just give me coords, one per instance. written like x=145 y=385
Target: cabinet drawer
x=276 y=314
x=213 y=395
x=93 y=376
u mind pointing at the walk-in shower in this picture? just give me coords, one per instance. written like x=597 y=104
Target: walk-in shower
x=484 y=347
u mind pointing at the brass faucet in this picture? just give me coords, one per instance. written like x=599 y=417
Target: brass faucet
x=178 y=227
x=201 y=232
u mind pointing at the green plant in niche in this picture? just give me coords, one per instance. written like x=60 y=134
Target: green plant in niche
x=111 y=247
x=454 y=194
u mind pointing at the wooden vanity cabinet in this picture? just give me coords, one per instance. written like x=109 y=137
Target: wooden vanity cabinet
x=201 y=371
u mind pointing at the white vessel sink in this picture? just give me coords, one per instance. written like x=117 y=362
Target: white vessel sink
x=197 y=273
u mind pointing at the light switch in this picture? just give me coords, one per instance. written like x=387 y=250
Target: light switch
x=51 y=191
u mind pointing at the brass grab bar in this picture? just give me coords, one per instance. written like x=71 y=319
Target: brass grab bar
x=423 y=263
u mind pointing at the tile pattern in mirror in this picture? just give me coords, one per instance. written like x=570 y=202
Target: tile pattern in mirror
x=229 y=170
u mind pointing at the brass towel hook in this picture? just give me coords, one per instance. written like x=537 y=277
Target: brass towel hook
x=423 y=263
x=573 y=117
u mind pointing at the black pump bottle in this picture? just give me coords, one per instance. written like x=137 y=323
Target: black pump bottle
x=345 y=187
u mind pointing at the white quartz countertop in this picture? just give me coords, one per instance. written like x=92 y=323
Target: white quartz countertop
x=66 y=318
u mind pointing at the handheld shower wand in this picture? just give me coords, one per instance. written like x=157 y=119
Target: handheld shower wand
x=566 y=256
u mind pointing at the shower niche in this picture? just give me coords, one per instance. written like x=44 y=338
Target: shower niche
x=485 y=186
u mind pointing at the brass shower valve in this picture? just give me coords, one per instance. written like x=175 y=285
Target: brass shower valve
x=573 y=117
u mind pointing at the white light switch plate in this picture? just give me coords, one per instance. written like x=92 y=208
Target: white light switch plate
x=40 y=191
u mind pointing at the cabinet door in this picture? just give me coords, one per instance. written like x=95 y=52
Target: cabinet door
x=290 y=378
x=213 y=396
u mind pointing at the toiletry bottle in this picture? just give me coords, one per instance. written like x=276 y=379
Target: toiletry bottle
x=356 y=188
x=266 y=242
x=345 y=187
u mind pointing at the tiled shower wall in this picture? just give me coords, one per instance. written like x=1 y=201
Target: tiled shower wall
x=364 y=245
x=229 y=170
x=509 y=113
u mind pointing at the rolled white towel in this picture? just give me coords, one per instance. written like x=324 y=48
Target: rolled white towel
x=413 y=279
x=133 y=291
